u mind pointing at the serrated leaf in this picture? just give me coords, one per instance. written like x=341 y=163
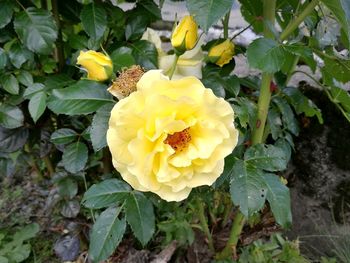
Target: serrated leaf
x=339 y=68
x=10 y=84
x=11 y=116
x=106 y=193
x=266 y=54
x=94 y=20
x=251 y=10
x=140 y=216
x=145 y=54
x=25 y=78
x=99 y=127
x=19 y=55
x=266 y=157
x=12 y=140
x=135 y=28
x=33 y=89
x=304 y=52
x=228 y=171
x=63 y=136
x=216 y=84
x=340 y=96
x=275 y=123
x=37 y=29
x=106 y=234
x=208 y=12
x=75 y=157
x=37 y=105
x=288 y=117
x=83 y=97
x=302 y=104
x=279 y=199
x=247 y=188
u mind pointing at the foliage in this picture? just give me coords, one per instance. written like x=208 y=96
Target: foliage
x=53 y=120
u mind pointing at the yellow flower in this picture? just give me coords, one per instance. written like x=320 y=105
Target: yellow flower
x=170 y=136
x=98 y=65
x=188 y=64
x=222 y=54
x=185 y=35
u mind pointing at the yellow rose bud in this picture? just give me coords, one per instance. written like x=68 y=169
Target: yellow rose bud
x=222 y=54
x=185 y=35
x=98 y=65
x=170 y=136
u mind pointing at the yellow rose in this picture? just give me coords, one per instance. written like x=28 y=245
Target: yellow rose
x=188 y=64
x=98 y=65
x=185 y=35
x=222 y=54
x=170 y=136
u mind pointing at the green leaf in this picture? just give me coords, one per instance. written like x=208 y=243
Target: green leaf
x=3 y=58
x=75 y=157
x=228 y=171
x=11 y=116
x=232 y=85
x=99 y=127
x=279 y=199
x=245 y=110
x=3 y=260
x=275 y=123
x=26 y=232
x=152 y=8
x=140 y=216
x=341 y=96
x=304 y=52
x=20 y=253
x=216 y=84
x=288 y=117
x=252 y=10
x=338 y=68
x=106 y=193
x=266 y=157
x=19 y=55
x=10 y=84
x=25 y=78
x=6 y=12
x=37 y=105
x=106 y=234
x=83 y=97
x=247 y=188
x=37 y=29
x=302 y=104
x=135 y=28
x=266 y=54
x=145 y=54
x=67 y=188
x=12 y=140
x=208 y=12
x=63 y=136
x=33 y=89
x=122 y=58
x=341 y=10
x=94 y=20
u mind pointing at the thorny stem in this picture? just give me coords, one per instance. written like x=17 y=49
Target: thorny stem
x=204 y=224
x=225 y=24
x=59 y=53
x=171 y=71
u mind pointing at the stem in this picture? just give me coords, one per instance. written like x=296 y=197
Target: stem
x=59 y=53
x=235 y=232
x=85 y=185
x=171 y=71
x=225 y=24
x=49 y=165
x=240 y=32
x=204 y=224
x=298 y=20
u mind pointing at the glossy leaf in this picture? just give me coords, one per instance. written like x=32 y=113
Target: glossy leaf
x=106 y=234
x=252 y=10
x=266 y=157
x=145 y=54
x=122 y=57
x=94 y=20
x=10 y=83
x=106 y=193
x=25 y=78
x=37 y=105
x=247 y=188
x=140 y=216
x=19 y=55
x=135 y=28
x=75 y=157
x=266 y=54
x=63 y=136
x=99 y=127
x=278 y=197
x=6 y=12
x=11 y=116
x=208 y=12
x=37 y=29
x=83 y=97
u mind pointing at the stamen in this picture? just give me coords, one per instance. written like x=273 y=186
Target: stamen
x=179 y=140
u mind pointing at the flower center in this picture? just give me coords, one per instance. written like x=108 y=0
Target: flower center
x=179 y=140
